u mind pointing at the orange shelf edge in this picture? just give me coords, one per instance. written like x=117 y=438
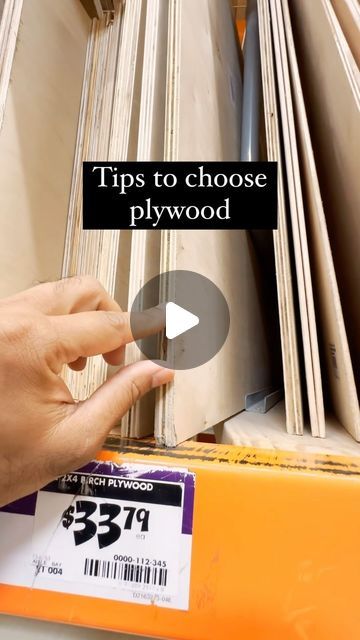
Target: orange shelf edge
x=275 y=550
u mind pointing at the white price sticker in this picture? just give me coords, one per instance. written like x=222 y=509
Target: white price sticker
x=116 y=532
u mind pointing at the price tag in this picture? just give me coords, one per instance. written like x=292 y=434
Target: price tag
x=116 y=532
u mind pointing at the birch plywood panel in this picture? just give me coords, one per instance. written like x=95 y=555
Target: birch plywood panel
x=37 y=141
x=298 y=225
x=341 y=377
x=145 y=245
x=290 y=356
x=331 y=84
x=107 y=130
x=203 y=115
x=348 y=14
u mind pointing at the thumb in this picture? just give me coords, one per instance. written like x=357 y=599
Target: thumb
x=91 y=421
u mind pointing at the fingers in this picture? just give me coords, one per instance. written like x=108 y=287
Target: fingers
x=71 y=303
x=148 y=322
x=91 y=333
x=78 y=365
x=69 y=295
x=91 y=421
x=114 y=358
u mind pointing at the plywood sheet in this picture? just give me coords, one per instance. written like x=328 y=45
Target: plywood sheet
x=299 y=232
x=331 y=89
x=203 y=123
x=332 y=330
x=36 y=144
x=145 y=245
x=348 y=14
x=284 y=277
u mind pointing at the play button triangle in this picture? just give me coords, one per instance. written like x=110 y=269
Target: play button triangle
x=178 y=320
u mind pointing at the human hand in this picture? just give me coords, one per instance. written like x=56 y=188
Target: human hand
x=44 y=432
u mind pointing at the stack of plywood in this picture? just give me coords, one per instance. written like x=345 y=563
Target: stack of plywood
x=161 y=81
x=183 y=66
x=310 y=60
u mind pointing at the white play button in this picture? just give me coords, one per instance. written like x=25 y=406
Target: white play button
x=189 y=309
x=178 y=320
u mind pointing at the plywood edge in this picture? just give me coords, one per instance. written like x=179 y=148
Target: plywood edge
x=303 y=272
x=332 y=329
x=268 y=432
x=9 y=27
x=291 y=368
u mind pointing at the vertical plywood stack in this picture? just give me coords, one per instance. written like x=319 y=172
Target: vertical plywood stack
x=333 y=175
x=145 y=245
x=201 y=63
x=152 y=118
x=161 y=81
x=310 y=60
x=83 y=249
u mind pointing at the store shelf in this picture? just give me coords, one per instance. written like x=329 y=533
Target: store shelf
x=275 y=550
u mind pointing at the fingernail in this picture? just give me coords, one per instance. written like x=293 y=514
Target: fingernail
x=163 y=376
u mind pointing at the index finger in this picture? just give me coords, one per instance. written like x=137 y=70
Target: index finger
x=99 y=332
x=68 y=295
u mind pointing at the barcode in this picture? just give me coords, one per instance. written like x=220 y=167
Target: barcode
x=126 y=572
